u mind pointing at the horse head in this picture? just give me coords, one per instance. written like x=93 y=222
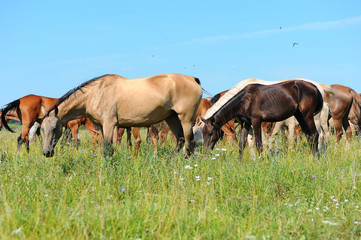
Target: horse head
x=52 y=130
x=211 y=133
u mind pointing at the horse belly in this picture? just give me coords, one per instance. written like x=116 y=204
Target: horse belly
x=273 y=111
x=142 y=114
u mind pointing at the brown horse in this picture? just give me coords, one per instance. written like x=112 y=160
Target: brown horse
x=112 y=100
x=29 y=109
x=154 y=130
x=76 y=123
x=251 y=104
x=342 y=101
x=10 y=115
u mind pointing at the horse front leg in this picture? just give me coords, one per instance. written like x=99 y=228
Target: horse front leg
x=243 y=139
x=256 y=124
x=108 y=131
x=137 y=140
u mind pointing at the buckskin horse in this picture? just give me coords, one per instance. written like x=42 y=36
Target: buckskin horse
x=29 y=110
x=112 y=100
x=254 y=101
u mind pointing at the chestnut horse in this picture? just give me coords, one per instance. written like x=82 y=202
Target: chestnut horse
x=112 y=100
x=29 y=110
x=251 y=103
x=345 y=104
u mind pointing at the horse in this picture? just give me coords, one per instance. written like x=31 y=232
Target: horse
x=254 y=101
x=112 y=100
x=152 y=133
x=29 y=110
x=342 y=101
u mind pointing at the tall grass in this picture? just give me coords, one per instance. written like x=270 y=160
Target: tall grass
x=78 y=194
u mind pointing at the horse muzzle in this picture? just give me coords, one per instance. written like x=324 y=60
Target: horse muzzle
x=48 y=153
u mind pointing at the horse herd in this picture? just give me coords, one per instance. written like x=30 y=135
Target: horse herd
x=110 y=104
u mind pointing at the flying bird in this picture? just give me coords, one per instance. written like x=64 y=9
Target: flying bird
x=294 y=44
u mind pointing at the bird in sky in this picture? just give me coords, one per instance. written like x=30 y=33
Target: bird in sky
x=294 y=44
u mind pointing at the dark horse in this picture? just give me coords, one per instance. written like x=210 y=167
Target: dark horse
x=257 y=103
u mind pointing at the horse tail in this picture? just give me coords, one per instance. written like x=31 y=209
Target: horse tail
x=327 y=88
x=197 y=81
x=10 y=106
x=356 y=98
x=319 y=102
x=215 y=98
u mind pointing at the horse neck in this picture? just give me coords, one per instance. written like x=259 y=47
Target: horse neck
x=225 y=114
x=73 y=107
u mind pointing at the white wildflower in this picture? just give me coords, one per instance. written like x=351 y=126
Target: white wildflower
x=188 y=167
x=16 y=232
x=330 y=223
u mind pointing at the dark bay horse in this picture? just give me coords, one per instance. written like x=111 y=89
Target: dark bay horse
x=30 y=109
x=253 y=104
x=228 y=129
x=112 y=100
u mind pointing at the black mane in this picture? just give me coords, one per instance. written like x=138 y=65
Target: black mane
x=69 y=93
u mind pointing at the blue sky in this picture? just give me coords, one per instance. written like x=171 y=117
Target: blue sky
x=50 y=47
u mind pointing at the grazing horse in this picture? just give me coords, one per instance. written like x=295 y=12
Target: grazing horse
x=32 y=121
x=251 y=103
x=112 y=100
x=28 y=109
x=228 y=129
x=344 y=103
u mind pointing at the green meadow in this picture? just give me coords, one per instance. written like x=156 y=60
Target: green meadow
x=79 y=194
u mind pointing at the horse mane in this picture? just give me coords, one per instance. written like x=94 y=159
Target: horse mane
x=229 y=95
x=72 y=91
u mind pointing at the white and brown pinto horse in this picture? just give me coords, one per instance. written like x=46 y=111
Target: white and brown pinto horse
x=254 y=101
x=112 y=100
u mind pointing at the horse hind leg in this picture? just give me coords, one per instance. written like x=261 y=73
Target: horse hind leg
x=24 y=137
x=308 y=126
x=348 y=130
x=176 y=127
x=108 y=131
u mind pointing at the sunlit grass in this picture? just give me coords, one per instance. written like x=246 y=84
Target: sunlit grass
x=78 y=194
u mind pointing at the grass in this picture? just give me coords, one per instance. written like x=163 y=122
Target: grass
x=77 y=194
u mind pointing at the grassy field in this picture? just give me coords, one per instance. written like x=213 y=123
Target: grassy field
x=78 y=194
